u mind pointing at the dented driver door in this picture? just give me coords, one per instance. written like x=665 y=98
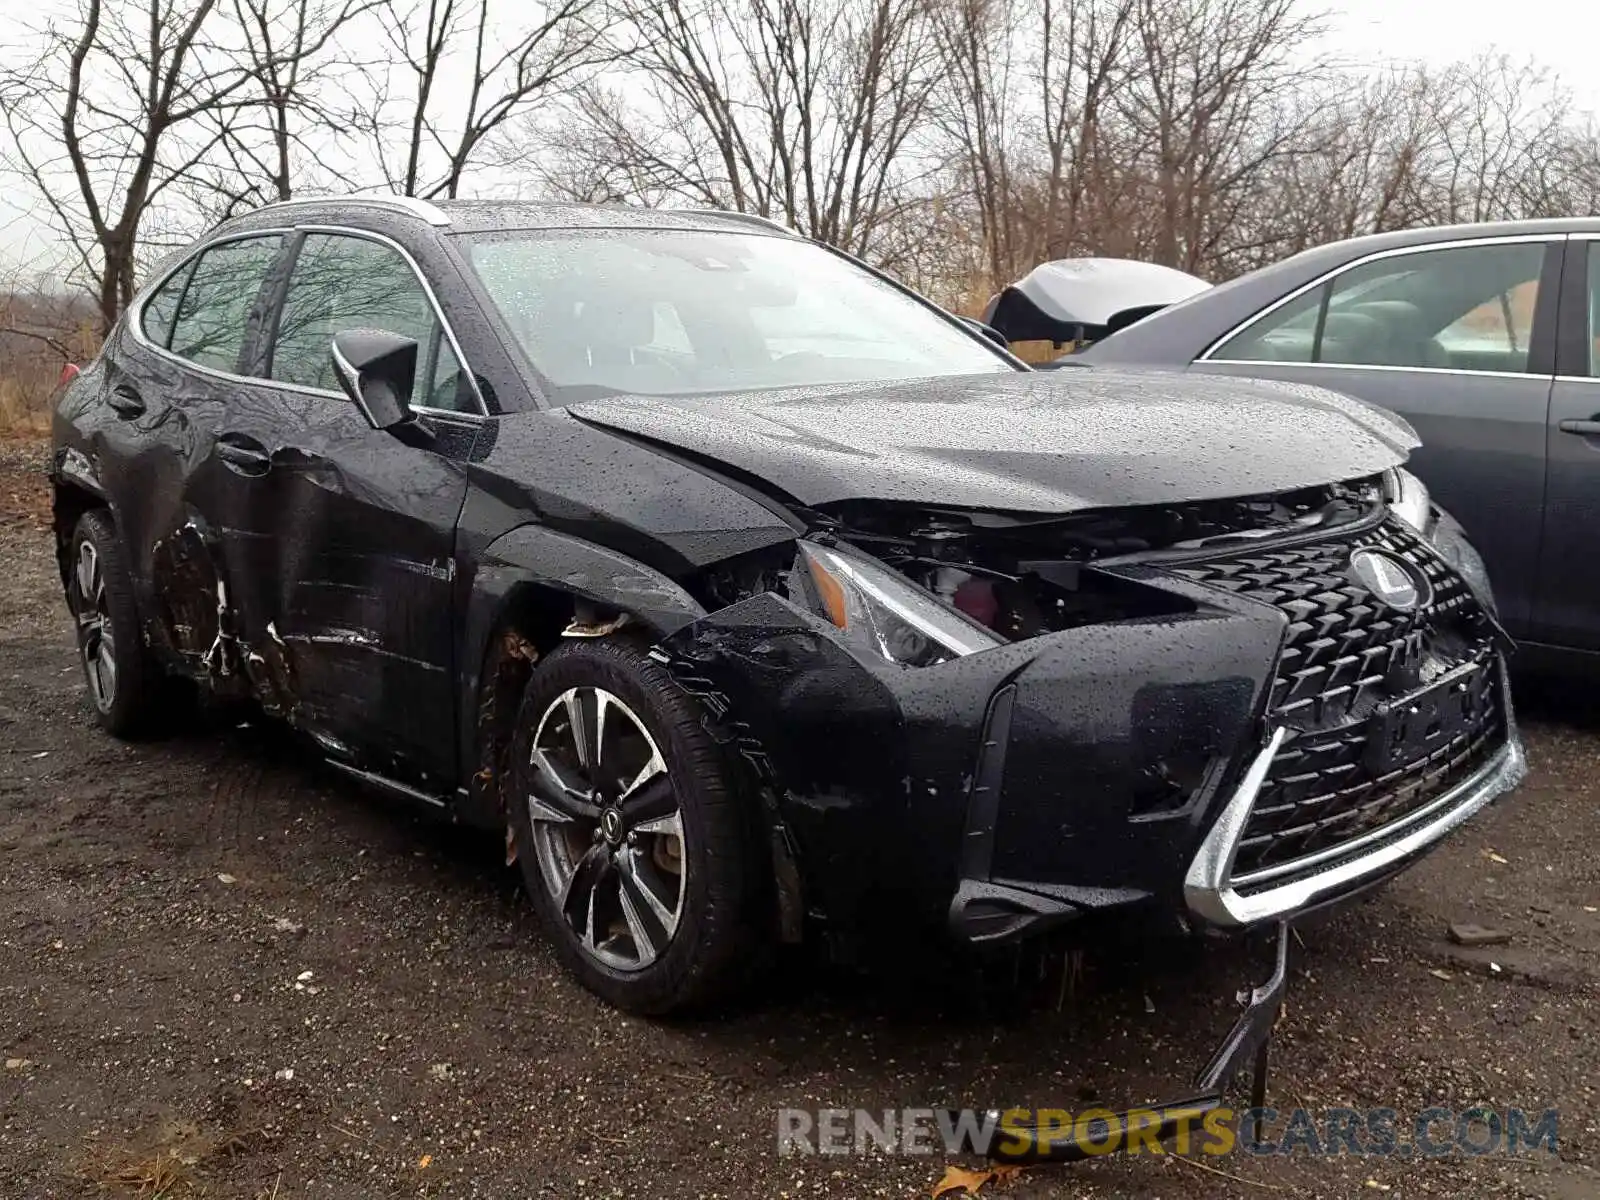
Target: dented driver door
x=341 y=537
x=340 y=542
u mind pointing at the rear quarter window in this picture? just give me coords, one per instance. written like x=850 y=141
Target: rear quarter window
x=156 y=320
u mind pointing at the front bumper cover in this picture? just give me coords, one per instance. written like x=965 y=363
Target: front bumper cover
x=1107 y=769
x=1032 y=782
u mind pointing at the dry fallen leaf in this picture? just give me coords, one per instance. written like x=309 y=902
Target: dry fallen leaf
x=962 y=1180
x=1496 y=857
x=1438 y=974
x=968 y=1182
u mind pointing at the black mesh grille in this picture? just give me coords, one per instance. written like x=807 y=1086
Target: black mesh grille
x=1346 y=658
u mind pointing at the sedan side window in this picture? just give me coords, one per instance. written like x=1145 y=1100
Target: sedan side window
x=1462 y=308
x=341 y=282
x=1594 y=309
x=224 y=294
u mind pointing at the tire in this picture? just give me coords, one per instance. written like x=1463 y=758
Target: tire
x=588 y=843
x=127 y=688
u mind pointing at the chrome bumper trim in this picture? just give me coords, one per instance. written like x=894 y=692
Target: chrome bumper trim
x=1211 y=890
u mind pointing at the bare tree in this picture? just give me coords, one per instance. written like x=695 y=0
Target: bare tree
x=108 y=116
x=799 y=110
x=285 y=45
x=1083 y=64
x=148 y=105
x=976 y=112
x=1214 y=102
x=467 y=68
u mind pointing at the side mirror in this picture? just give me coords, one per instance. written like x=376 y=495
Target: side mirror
x=377 y=368
x=988 y=331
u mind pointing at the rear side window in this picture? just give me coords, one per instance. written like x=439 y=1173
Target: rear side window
x=223 y=294
x=1462 y=308
x=156 y=320
x=341 y=282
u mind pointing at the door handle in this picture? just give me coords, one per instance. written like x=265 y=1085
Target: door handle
x=1589 y=428
x=243 y=454
x=125 y=401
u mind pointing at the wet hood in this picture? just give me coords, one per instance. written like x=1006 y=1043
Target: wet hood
x=1057 y=441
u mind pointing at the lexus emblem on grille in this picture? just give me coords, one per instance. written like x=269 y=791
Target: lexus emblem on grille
x=1393 y=582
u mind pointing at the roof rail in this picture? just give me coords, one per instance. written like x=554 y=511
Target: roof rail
x=431 y=213
x=730 y=214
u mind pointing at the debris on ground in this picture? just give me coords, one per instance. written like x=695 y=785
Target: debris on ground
x=1465 y=933
x=960 y=1180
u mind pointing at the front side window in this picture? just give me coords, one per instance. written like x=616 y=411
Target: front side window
x=222 y=300
x=601 y=312
x=342 y=282
x=1462 y=308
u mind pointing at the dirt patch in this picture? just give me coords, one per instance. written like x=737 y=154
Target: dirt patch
x=24 y=490
x=226 y=973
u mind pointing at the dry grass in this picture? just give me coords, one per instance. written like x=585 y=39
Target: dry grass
x=1038 y=352
x=24 y=409
x=38 y=333
x=169 y=1162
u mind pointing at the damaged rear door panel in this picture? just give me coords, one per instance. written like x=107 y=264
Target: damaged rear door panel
x=341 y=538
x=194 y=334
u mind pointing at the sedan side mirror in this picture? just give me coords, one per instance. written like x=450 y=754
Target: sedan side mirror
x=377 y=369
x=988 y=331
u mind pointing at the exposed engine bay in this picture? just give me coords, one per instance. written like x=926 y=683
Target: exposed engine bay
x=1023 y=576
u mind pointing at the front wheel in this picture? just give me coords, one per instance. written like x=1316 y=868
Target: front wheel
x=642 y=859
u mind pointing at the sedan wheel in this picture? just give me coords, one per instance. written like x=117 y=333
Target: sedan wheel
x=642 y=856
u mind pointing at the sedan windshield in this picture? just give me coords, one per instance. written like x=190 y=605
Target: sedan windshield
x=600 y=312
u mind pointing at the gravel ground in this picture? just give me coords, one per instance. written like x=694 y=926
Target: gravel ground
x=225 y=972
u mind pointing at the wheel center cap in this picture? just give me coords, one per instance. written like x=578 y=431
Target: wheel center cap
x=611 y=826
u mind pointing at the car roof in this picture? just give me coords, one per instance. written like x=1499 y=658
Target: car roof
x=1359 y=247
x=482 y=216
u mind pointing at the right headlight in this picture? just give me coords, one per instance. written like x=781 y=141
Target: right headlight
x=1453 y=545
x=1409 y=499
x=886 y=612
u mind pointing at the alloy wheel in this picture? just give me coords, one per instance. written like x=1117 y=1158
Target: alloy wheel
x=96 y=639
x=607 y=828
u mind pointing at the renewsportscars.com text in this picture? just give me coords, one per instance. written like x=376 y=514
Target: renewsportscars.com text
x=1019 y=1132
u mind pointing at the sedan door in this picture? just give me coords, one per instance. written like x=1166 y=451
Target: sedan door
x=1457 y=339
x=1567 y=611
x=342 y=537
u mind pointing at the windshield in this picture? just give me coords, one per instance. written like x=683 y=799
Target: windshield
x=600 y=312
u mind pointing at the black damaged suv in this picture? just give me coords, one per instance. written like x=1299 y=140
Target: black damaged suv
x=751 y=594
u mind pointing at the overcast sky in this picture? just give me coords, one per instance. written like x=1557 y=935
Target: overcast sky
x=1558 y=34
